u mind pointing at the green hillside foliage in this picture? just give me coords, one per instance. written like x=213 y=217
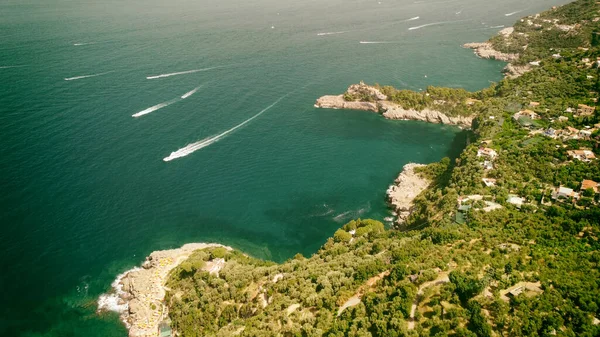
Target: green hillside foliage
x=523 y=261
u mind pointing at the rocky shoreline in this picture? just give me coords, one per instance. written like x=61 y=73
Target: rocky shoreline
x=138 y=294
x=406 y=188
x=388 y=109
x=486 y=50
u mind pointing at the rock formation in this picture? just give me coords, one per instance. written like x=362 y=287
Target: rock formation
x=388 y=109
x=406 y=188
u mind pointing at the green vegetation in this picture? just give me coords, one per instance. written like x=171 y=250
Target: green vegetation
x=522 y=264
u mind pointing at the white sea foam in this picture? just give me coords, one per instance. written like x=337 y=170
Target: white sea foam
x=434 y=24
x=501 y=26
x=191 y=92
x=154 y=108
x=513 y=13
x=459 y=12
x=86 y=76
x=83 y=43
x=183 y=72
x=110 y=300
x=193 y=147
x=332 y=33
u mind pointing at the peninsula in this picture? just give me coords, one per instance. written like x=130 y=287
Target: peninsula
x=502 y=241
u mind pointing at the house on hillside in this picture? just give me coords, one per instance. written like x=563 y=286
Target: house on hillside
x=562 y=192
x=515 y=200
x=487 y=165
x=550 y=132
x=526 y=113
x=489 y=182
x=585 y=110
x=582 y=155
x=487 y=152
x=585 y=184
x=585 y=134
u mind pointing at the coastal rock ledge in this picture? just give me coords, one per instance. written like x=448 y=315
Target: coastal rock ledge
x=138 y=294
x=406 y=188
x=388 y=109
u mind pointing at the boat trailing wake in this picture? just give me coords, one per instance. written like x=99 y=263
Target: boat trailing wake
x=513 y=13
x=332 y=33
x=165 y=104
x=413 y=19
x=434 y=24
x=183 y=72
x=376 y=42
x=86 y=76
x=84 y=43
x=191 y=92
x=193 y=147
x=8 y=67
x=154 y=108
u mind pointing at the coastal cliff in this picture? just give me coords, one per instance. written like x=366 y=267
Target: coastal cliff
x=406 y=188
x=372 y=99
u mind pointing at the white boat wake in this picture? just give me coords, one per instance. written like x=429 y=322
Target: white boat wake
x=83 y=43
x=8 y=67
x=86 y=76
x=413 y=19
x=183 y=72
x=434 y=24
x=154 y=108
x=376 y=42
x=332 y=33
x=167 y=103
x=190 y=93
x=513 y=13
x=193 y=147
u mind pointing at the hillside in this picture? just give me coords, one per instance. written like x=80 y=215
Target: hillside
x=503 y=243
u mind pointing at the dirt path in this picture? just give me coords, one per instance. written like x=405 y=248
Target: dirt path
x=441 y=279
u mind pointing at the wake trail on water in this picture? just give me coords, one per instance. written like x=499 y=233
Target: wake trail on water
x=332 y=33
x=86 y=76
x=376 y=42
x=167 y=103
x=193 y=147
x=155 y=107
x=434 y=24
x=183 y=72
x=8 y=67
x=191 y=92
x=513 y=13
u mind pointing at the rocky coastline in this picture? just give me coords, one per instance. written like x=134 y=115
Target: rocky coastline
x=388 y=109
x=138 y=294
x=405 y=189
x=486 y=50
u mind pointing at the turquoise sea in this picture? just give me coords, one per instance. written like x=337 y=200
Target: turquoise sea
x=84 y=191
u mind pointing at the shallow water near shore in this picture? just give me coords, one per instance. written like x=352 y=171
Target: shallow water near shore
x=86 y=193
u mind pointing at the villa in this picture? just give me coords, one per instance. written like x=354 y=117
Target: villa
x=583 y=155
x=487 y=152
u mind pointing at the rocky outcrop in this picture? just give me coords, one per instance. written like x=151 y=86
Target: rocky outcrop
x=406 y=188
x=338 y=102
x=139 y=293
x=387 y=108
x=513 y=71
x=486 y=50
x=395 y=111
